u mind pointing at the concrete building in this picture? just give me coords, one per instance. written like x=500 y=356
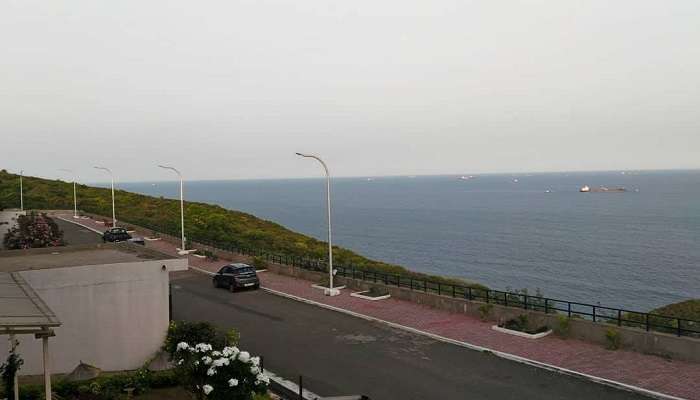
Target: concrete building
x=112 y=301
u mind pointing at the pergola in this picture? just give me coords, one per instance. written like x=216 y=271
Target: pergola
x=23 y=312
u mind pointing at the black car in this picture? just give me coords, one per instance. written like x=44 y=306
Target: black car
x=115 y=235
x=236 y=276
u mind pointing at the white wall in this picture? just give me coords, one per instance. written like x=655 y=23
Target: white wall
x=8 y=220
x=114 y=317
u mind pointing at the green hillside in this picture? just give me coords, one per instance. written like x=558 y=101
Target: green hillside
x=689 y=309
x=203 y=221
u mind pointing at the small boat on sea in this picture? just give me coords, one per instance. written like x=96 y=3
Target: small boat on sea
x=585 y=189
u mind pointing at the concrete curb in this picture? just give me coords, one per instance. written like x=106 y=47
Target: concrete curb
x=507 y=356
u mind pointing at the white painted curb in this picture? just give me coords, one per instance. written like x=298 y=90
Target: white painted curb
x=507 y=356
x=521 y=334
x=359 y=295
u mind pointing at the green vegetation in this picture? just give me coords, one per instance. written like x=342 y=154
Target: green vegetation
x=563 y=327
x=33 y=231
x=205 y=222
x=689 y=309
x=613 y=338
x=485 y=311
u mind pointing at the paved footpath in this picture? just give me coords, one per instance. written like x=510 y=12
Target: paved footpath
x=669 y=377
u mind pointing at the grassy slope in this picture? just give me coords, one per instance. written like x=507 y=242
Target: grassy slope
x=203 y=221
x=689 y=309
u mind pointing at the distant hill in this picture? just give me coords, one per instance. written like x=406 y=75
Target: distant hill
x=202 y=221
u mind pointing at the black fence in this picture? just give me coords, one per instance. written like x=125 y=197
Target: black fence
x=572 y=309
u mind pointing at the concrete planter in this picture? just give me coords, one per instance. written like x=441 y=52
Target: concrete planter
x=521 y=334
x=315 y=286
x=360 y=295
x=198 y=255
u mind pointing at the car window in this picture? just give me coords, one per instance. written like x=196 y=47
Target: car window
x=244 y=270
x=222 y=270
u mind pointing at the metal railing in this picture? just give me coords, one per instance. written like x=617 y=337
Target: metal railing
x=571 y=309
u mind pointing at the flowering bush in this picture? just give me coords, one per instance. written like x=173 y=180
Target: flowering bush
x=228 y=374
x=32 y=231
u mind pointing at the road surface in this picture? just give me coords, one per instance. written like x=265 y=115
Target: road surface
x=339 y=355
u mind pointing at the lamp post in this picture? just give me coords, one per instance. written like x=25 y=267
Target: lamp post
x=111 y=175
x=21 y=191
x=75 y=197
x=330 y=291
x=183 y=250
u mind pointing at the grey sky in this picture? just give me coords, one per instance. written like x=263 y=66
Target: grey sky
x=231 y=89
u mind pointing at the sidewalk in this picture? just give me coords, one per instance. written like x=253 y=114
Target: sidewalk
x=670 y=377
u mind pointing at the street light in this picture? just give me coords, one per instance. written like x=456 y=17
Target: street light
x=183 y=250
x=331 y=291
x=21 y=191
x=111 y=175
x=75 y=197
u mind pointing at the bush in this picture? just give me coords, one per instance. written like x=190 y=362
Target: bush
x=34 y=231
x=485 y=311
x=190 y=332
x=614 y=339
x=259 y=263
x=563 y=327
x=228 y=374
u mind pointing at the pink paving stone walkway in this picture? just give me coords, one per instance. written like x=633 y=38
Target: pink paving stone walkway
x=675 y=378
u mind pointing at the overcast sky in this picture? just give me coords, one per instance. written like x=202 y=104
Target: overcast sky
x=231 y=89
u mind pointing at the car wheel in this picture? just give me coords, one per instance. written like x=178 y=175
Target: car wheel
x=232 y=287
x=215 y=283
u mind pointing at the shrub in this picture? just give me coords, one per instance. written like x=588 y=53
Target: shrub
x=485 y=311
x=563 y=327
x=34 y=231
x=211 y=256
x=190 y=332
x=259 y=263
x=614 y=339
x=228 y=374
x=8 y=370
x=233 y=337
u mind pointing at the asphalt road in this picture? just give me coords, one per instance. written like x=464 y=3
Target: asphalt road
x=75 y=235
x=341 y=355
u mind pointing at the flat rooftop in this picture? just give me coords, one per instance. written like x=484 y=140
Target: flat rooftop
x=73 y=256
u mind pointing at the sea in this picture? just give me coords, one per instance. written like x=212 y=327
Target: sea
x=637 y=250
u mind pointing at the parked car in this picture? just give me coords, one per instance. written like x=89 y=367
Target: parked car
x=115 y=235
x=137 y=240
x=236 y=276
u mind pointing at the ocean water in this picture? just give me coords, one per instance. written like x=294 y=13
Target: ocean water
x=638 y=250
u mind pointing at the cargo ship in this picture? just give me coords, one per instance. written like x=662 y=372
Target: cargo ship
x=602 y=189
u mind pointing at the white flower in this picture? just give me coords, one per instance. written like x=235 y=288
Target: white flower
x=207 y=389
x=255 y=361
x=180 y=362
x=262 y=378
x=244 y=356
x=233 y=382
x=211 y=371
x=203 y=347
x=207 y=360
x=219 y=362
x=230 y=351
x=254 y=370
x=182 y=346
x=196 y=363
x=216 y=353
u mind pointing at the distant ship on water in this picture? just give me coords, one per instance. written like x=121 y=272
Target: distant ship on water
x=602 y=189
